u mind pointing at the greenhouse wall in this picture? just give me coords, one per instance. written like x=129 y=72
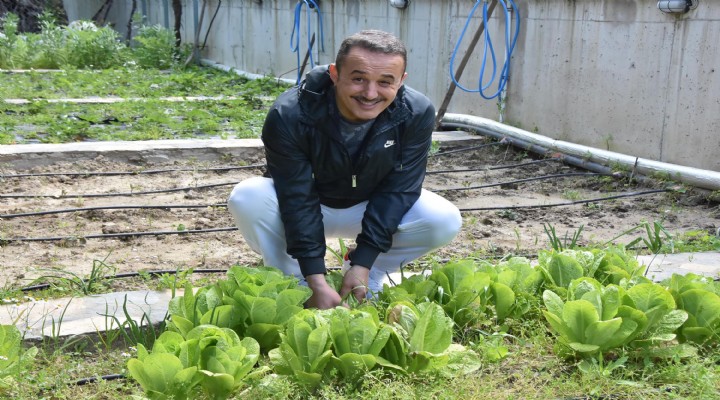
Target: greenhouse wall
x=618 y=75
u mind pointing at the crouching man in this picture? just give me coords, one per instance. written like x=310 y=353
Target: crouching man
x=346 y=151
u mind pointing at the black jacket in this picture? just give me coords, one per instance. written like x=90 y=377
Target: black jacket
x=310 y=166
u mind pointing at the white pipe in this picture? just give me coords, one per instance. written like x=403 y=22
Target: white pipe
x=692 y=176
x=213 y=64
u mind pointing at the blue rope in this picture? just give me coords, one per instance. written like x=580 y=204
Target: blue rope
x=295 y=36
x=510 y=41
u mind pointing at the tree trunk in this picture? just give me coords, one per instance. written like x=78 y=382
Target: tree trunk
x=177 y=10
x=28 y=11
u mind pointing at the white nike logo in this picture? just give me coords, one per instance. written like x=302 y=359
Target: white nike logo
x=389 y=143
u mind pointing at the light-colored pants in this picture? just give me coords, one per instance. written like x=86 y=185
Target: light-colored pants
x=431 y=223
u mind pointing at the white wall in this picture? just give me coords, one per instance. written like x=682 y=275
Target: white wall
x=611 y=74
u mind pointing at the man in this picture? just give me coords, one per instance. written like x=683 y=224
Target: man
x=346 y=151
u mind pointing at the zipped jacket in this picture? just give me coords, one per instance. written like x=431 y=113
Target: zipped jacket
x=310 y=166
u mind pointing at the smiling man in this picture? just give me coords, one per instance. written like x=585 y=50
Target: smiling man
x=346 y=152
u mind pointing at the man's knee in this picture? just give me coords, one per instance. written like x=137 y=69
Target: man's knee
x=445 y=225
x=250 y=197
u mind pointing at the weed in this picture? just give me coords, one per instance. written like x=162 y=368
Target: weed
x=69 y=281
x=561 y=244
x=572 y=195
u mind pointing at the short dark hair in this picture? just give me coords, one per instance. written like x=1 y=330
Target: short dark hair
x=373 y=40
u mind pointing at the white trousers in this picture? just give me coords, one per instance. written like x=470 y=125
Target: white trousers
x=430 y=224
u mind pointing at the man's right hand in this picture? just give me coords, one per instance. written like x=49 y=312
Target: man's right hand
x=323 y=296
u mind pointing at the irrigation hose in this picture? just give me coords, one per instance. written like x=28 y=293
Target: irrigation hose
x=70 y=239
x=537 y=178
x=119 y=194
x=123 y=207
x=139 y=172
x=171 y=190
x=120 y=207
x=571 y=203
x=480 y=146
x=133 y=275
x=497 y=167
x=171 y=170
x=226 y=229
x=111 y=377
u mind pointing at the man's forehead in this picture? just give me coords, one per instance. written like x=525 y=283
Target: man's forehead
x=365 y=62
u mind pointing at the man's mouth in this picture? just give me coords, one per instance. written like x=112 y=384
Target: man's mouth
x=367 y=102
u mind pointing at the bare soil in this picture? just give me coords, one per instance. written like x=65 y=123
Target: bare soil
x=488 y=233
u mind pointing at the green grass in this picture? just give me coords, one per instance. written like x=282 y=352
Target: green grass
x=145 y=116
x=530 y=371
x=132 y=82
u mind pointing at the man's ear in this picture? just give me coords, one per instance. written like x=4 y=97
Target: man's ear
x=402 y=80
x=332 y=69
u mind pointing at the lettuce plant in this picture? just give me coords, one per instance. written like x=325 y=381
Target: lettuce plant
x=561 y=268
x=463 y=292
x=598 y=318
x=202 y=308
x=357 y=338
x=267 y=298
x=212 y=358
x=654 y=310
x=422 y=341
x=616 y=265
x=414 y=289
x=304 y=350
x=254 y=302
x=267 y=316
x=516 y=288
x=162 y=374
x=697 y=296
x=13 y=359
x=588 y=322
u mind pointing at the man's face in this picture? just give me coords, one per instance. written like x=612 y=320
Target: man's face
x=367 y=83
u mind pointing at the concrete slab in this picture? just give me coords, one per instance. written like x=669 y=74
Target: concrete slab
x=25 y=156
x=68 y=317
x=664 y=265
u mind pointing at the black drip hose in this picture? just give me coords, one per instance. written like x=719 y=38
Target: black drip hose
x=497 y=167
x=159 y=233
x=99 y=208
x=571 y=160
x=140 y=172
x=132 y=275
x=570 y=203
x=116 y=235
x=112 y=377
x=96 y=195
x=537 y=178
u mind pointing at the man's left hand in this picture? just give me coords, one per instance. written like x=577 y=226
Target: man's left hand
x=355 y=282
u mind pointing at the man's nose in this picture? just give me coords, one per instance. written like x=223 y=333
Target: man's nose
x=370 y=91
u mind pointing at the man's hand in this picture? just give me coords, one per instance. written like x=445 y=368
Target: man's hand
x=356 y=281
x=323 y=296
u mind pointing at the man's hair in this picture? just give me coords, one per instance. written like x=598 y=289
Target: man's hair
x=373 y=40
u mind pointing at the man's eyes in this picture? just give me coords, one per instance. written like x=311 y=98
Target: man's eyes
x=381 y=83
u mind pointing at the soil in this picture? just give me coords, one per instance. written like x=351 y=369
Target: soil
x=487 y=233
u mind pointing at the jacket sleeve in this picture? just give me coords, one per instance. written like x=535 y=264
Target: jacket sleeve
x=399 y=190
x=290 y=168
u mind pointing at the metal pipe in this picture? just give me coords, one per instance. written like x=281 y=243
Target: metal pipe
x=525 y=145
x=688 y=175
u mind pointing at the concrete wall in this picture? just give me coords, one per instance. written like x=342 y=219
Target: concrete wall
x=614 y=74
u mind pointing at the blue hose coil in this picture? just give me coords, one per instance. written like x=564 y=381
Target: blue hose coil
x=510 y=41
